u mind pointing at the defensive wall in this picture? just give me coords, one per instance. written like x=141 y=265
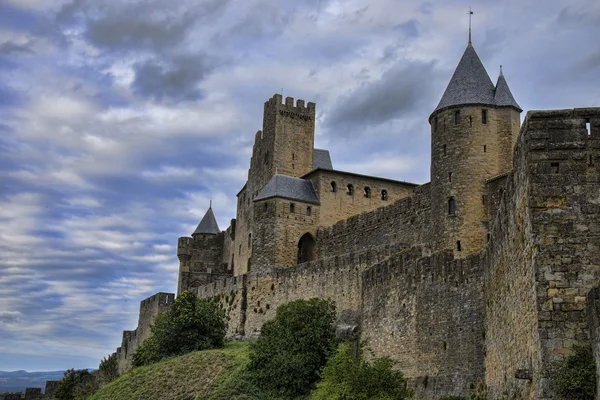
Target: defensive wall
x=426 y=312
x=149 y=308
x=543 y=255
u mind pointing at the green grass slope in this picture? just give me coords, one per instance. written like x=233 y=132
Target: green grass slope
x=201 y=375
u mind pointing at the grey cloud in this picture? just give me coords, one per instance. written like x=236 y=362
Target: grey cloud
x=177 y=81
x=142 y=24
x=401 y=90
x=410 y=29
x=11 y=48
x=576 y=17
x=588 y=63
x=8 y=317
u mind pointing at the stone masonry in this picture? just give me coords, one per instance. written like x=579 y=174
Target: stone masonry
x=482 y=278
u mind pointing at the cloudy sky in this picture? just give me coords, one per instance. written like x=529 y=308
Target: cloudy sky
x=120 y=119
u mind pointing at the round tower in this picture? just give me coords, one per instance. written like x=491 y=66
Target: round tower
x=473 y=130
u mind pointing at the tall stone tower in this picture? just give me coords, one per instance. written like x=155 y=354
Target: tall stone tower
x=473 y=131
x=285 y=145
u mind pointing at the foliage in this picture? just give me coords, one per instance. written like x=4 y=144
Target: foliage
x=347 y=376
x=76 y=385
x=452 y=398
x=293 y=347
x=109 y=368
x=576 y=378
x=191 y=324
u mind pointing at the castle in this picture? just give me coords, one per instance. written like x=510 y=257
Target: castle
x=483 y=276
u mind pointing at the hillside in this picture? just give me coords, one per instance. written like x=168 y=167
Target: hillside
x=202 y=375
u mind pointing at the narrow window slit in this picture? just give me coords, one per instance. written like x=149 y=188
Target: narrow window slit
x=588 y=127
x=458 y=246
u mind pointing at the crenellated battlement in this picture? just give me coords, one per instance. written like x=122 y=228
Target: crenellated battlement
x=288 y=108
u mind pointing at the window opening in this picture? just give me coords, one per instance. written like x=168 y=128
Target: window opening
x=555 y=167
x=384 y=194
x=266 y=158
x=333 y=187
x=308 y=211
x=444 y=149
x=470 y=121
x=588 y=127
x=350 y=189
x=367 y=192
x=456 y=117
x=591 y=160
x=484 y=116
x=293 y=156
x=451 y=206
x=484 y=148
x=449 y=176
x=266 y=206
x=249 y=240
x=458 y=246
x=292 y=207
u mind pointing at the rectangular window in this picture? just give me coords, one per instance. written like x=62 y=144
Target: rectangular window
x=449 y=176
x=292 y=207
x=484 y=148
x=484 y=116
x=555 y=167
x=458 y=246
x=444 y=149
x=457 y=118
x=308 y=211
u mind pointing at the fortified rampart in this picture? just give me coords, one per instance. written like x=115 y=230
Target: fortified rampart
x=543 y=258
x=149 y=308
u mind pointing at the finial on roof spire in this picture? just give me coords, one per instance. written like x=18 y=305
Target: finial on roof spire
x=470 y=13
x=210 y=204
x=500 y=69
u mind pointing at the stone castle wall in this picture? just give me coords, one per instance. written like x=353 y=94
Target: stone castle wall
x=405 y=221
x=338 y=205
x=149 y=308
x=426 y=313
x=543 y=257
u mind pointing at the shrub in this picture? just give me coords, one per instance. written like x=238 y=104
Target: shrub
x=76 y=385
x=109 y=369
x=577 y=376
x=191 y=324
x=293 y=347
x=452 y=398
x=350 y=377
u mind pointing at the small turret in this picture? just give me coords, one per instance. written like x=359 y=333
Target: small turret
x=503 y=96
x=208 y=225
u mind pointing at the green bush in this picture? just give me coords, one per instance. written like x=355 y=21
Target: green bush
x=191 y=324
x=76 y=385
x=452 y=398
x=347 y=376
x=109 y=369
x=293 y=347
x=577 y=376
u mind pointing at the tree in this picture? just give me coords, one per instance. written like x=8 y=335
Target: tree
x=76 y=385
x=293 y=347
x=191 y=324
x=109 y=368
x=347 y=376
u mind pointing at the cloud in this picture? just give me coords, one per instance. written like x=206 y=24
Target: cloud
x=7 y=317
x=401 y=90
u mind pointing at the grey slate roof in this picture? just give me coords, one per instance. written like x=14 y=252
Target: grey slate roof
x=503 y=95
x=288 y=187
x=322 y=159
x=471 y=84
x=208 y=225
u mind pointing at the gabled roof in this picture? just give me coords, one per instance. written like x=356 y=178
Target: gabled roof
x=321 y=159
x=208 y=225
x=288 y=187
x=470 y=83
x=503 y=96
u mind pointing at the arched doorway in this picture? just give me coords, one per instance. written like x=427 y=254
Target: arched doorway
x=306 y=248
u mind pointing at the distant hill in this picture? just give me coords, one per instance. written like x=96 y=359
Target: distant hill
x=17 y=381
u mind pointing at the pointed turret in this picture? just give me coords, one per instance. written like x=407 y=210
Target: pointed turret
x=503 y=95
x=208 y=225
x=470 y=84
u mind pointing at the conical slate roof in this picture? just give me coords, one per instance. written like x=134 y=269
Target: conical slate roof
x=470 y=83
x=503 y=96
x=288 y=187
x=208 y=225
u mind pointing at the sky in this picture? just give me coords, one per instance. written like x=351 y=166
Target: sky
x=121 y=119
